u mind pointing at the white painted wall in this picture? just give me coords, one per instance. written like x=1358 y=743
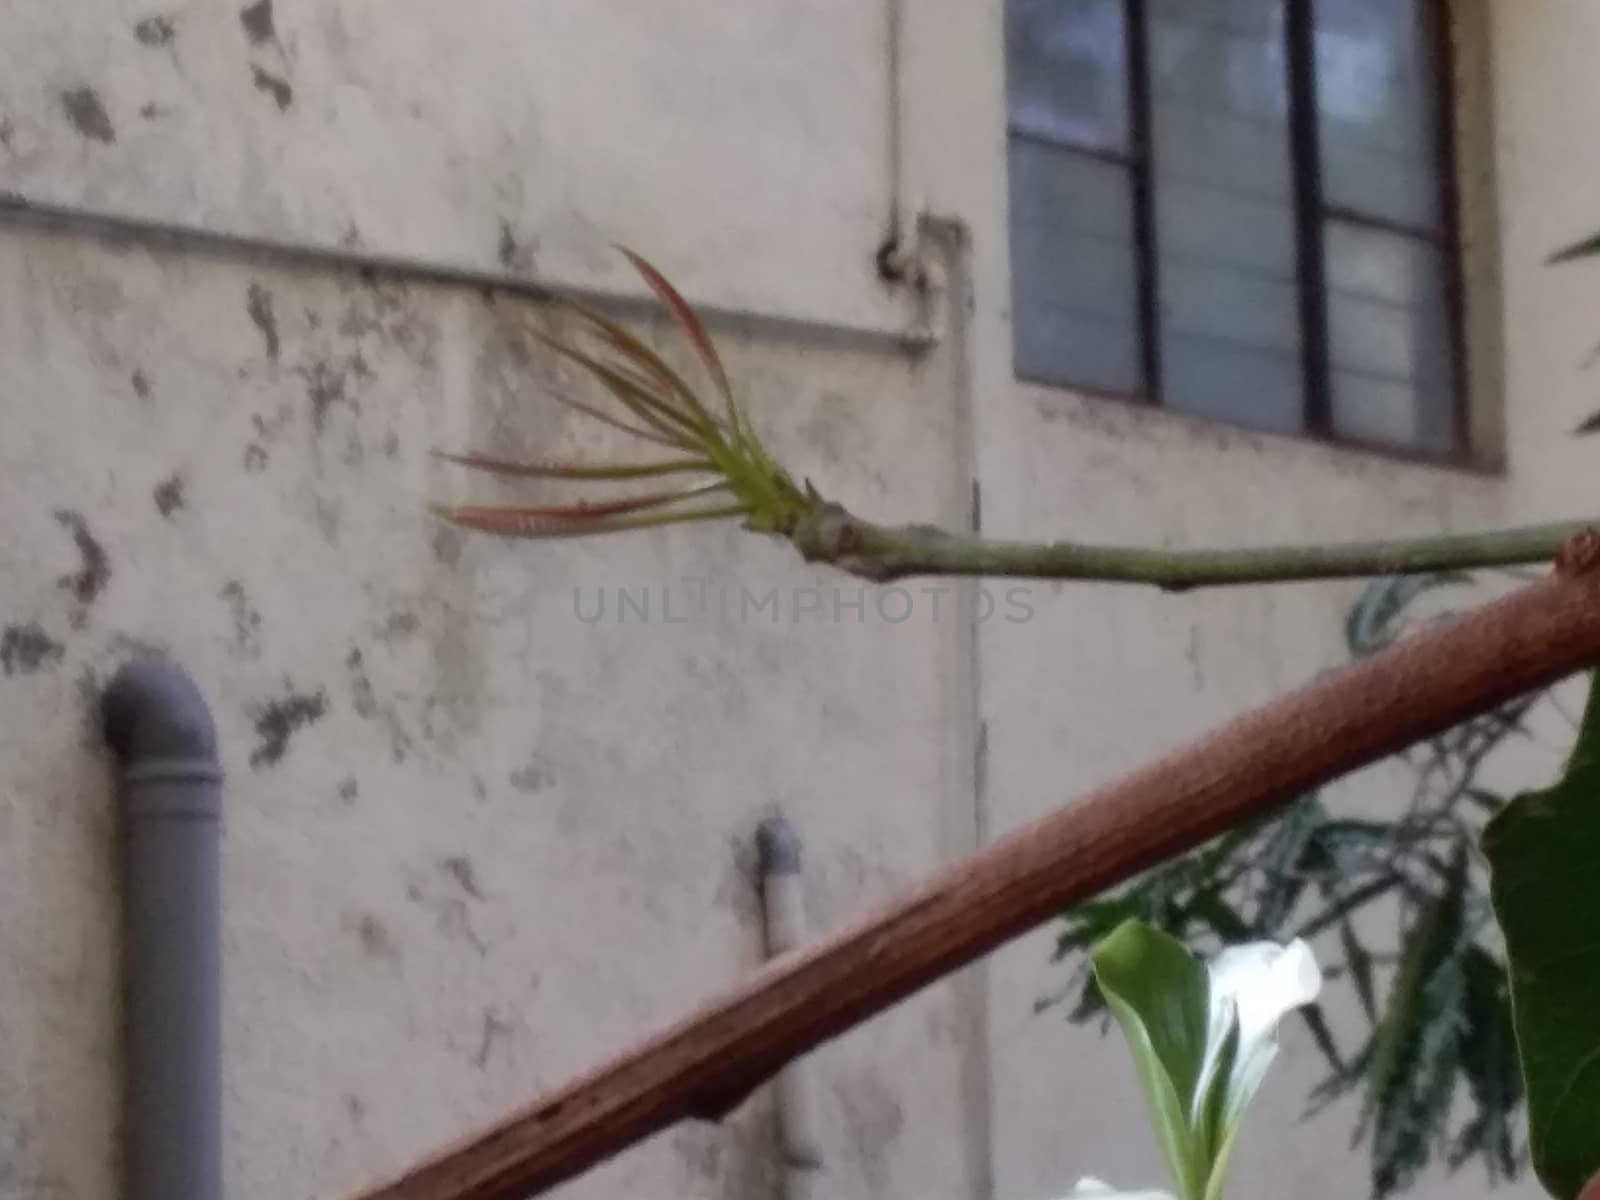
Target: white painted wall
x=512 y=840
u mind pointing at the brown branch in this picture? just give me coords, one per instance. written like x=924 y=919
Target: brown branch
x=715 y=1057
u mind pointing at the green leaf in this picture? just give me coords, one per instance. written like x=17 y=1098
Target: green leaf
x=1091 y=1001
x=1343 y=907
x=1359 y=960
x=1317 y=1025
x=1373 y=622
x=1543 y=851
x=1494 y=1075
x=1284 y=863
x=1415 y=1054
x=1587 y=248
x=1222 y=917
x=1158 y=993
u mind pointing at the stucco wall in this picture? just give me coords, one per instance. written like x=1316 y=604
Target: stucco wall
x=476 y=841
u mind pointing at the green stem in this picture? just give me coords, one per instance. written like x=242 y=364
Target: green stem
x=830 y=534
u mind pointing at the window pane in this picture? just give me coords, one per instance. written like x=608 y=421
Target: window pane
x=1071 y=350
x=1074 y=291
x=1389 y=338
x=1200 y=222
x=1377 y=89
x=1259 y=17
x=1067 y=71
x=1230 y=323
x=1069 y=192
x=1205 y=65
x=1246 y=308
x=1249 y=158
x=1259 y=389
x=1376 y=410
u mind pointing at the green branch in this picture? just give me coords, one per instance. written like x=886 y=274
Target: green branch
x=828 y=533
x=712 y=438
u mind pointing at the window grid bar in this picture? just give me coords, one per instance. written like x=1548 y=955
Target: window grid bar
x=1310 y=214
x=1437 y=14
x=1146 y=258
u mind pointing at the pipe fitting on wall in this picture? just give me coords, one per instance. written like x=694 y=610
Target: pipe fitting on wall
x=783 y=901
x=158 y=725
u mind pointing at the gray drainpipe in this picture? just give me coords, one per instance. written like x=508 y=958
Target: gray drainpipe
x=158 y=725
x=783 y=904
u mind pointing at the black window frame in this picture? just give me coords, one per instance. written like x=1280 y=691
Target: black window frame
x=1312 y=214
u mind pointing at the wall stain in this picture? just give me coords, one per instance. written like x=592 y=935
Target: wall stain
x=349 y=789
x=255 y=458
x=169 y=495
x=141 y=384
x=459 y=867
x=364 y=699
x=354 y=453
x=95 y=573
x=258 y=22
x=28 y=649
x=534 y=777
x=278 y=720
x=451 y=915
x=362 y=695
x=259 y=305
x=376 y=941
x=275 y=86
x=327 y=386
x=7 y=132
x=151 y=111
x=384 y=310
x=88 y=114
x=326 y=512
x=514 y=254
x=399 y=626
x=246 y=620
x=448 y=544
x=494 y=1029
x=155 y=31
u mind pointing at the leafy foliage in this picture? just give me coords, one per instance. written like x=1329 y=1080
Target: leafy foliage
x=1542 y=850
x=1435 y=999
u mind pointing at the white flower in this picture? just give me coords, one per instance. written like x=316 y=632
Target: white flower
x=1202 y=1036
x=1090 y=1188
x=1257 y=984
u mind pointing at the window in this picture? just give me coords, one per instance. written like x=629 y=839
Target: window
x=1240 y=209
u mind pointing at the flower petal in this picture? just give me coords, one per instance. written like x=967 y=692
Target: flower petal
x=1264 y=981
x=1090 y=1188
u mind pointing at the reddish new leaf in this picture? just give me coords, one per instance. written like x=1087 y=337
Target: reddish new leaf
x=685 y=317
x=547 y=469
